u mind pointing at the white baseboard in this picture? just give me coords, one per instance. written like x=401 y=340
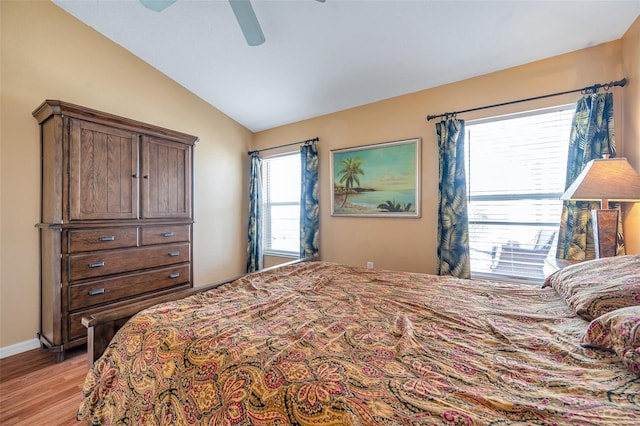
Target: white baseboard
x=19 y=348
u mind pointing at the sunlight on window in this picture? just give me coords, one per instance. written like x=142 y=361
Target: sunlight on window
x=515 y=177
x=281 y=204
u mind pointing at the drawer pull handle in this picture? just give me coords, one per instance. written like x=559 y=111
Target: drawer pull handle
x=96 y=264
x=167 y=234
x=107 y=238
x=176 y=275
x=174 y=253
x=96 y=292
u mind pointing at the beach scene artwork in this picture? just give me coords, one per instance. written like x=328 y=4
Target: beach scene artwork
x=377 y=180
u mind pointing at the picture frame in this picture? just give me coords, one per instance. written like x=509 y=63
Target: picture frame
x=376 y=180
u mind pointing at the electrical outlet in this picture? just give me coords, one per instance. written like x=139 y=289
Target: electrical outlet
x=369 y=265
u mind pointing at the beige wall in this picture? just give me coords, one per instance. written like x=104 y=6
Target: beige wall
x=48 y=54
x=410 y=244
x=631 y=126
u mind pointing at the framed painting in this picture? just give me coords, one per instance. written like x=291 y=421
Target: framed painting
x=378 y=180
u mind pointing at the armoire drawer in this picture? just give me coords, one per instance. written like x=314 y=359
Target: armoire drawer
x=164 y=234
x=102 y=239
x=91 y=265
x=93 y=293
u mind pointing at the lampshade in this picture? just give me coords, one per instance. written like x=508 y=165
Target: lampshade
x=605 y=179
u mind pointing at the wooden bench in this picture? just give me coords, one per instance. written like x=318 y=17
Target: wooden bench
x=102 y=326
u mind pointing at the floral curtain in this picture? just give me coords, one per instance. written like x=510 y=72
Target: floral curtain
x=592 y=137
x=453 y=223
x=254 y=231
x=309 y=210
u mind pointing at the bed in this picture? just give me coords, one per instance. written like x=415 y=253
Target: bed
x=320 y=343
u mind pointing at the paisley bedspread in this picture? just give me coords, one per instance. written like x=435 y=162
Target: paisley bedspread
x=326 y=344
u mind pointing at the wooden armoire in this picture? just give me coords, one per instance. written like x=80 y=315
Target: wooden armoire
x=116 y=216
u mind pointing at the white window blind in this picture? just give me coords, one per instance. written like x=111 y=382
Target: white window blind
x=281 y=204
x=516 y=175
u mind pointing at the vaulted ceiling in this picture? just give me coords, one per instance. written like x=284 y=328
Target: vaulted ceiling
x=322 y=57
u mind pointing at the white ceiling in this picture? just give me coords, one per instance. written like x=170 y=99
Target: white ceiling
x=320 y=58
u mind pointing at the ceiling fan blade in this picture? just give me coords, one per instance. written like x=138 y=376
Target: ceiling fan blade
x=248 y=22
x=157 y=5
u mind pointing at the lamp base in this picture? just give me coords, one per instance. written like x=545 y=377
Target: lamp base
x=605 y=232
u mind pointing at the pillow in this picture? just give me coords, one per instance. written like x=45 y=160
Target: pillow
x=595 y=287
x=617 y=331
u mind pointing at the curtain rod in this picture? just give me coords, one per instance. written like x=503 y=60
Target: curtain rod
x=584 y=90
x=258 y=151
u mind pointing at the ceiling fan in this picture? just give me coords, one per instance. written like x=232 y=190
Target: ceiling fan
x=243 y=10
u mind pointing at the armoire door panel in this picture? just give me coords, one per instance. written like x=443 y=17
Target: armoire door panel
x=166 y=181
x=103 y=169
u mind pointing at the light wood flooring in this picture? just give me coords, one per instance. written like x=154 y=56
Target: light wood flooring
x=34 y=390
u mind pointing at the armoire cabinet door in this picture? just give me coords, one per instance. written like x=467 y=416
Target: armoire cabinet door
x=103 y=168
x=166 y=178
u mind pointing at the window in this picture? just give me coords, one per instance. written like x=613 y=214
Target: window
x=281 y=205
x=516 y=175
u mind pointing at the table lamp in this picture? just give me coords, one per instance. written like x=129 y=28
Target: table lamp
x=603 y=180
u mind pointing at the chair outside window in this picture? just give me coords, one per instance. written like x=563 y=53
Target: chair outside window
x=514 y=259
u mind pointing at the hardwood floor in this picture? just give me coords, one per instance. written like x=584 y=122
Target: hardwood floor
x=34 y=390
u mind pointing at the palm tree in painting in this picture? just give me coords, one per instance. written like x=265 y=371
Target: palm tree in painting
x=349 y=172
x=392 y=206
